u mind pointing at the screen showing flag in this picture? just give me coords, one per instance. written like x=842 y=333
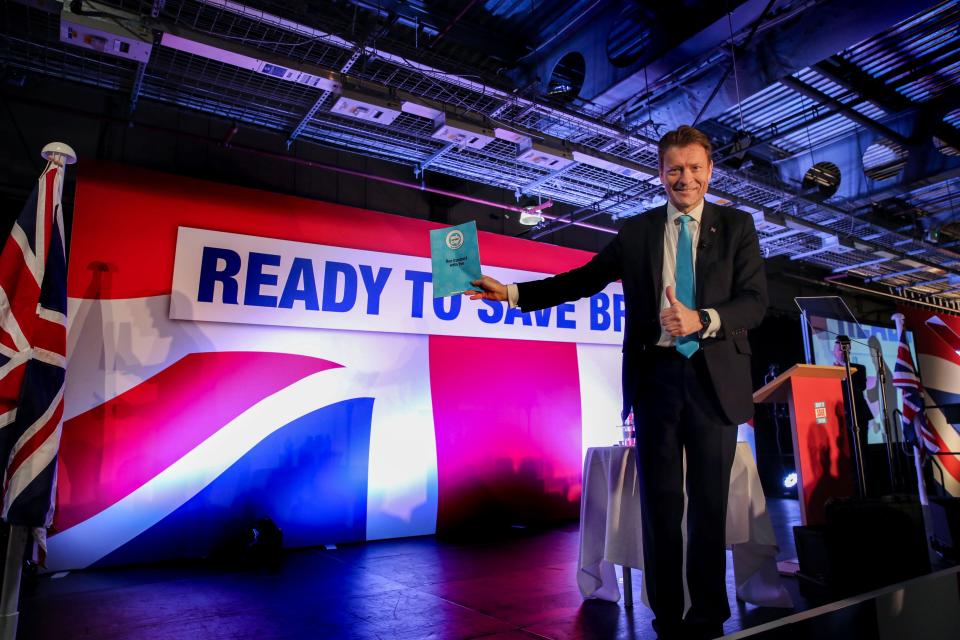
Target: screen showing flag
x=864 y=340
x=923 y=371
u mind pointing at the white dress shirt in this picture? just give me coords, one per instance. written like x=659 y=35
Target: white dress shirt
x=670 y=235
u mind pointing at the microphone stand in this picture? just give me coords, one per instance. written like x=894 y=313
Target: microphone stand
x=882 y=386
x=857 y=453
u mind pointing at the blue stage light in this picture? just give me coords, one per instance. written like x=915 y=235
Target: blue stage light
x=790 y=480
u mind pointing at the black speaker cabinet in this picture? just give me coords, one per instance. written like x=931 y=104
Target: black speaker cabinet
x=945 y=527
x=816 y=577
x=866 y=544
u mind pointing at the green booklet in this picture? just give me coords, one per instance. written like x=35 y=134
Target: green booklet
x=455 y=255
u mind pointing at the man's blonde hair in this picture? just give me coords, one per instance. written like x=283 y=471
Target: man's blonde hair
x=683 y=136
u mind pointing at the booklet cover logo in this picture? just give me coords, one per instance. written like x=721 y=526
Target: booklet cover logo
x=454 y=239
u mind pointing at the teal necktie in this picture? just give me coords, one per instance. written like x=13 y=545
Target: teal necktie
x=686 y=289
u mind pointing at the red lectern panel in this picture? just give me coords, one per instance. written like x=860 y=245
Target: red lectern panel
x=821 y=446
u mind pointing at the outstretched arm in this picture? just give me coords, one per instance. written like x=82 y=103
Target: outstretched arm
x=577 y=283
x=581 y=282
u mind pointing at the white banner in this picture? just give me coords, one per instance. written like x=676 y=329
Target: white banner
x=228 y=277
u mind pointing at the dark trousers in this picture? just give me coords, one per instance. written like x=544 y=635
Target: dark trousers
x=676 y=411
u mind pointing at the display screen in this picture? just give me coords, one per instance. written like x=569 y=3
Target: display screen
x=864 y=338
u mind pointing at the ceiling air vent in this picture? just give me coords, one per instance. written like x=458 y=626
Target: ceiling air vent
x=884 y=159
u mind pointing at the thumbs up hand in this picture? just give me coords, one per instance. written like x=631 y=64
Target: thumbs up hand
x=678 y=319
x=672 y=297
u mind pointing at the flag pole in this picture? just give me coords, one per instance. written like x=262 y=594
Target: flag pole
x=60 y=154
x=12 y=567
x=899 y=319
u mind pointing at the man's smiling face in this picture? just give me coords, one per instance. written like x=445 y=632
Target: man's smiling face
x=685 y=173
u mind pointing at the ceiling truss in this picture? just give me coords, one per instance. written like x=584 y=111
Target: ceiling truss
x=609 y=171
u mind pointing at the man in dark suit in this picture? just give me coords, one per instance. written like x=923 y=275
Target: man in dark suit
x=693 y=283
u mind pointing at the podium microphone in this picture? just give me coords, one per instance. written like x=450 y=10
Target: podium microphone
x=772 y=372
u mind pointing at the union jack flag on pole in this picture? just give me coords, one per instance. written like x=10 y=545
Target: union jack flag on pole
x=33 y=341
x=916 y=429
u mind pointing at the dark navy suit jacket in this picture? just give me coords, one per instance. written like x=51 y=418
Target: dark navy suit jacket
x=730 y=278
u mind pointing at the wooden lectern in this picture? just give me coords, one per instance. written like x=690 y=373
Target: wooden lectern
x=821 y=443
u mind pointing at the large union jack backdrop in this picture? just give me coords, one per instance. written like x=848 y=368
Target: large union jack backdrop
x=937 y=337
x=33 y=303
x=178 y=432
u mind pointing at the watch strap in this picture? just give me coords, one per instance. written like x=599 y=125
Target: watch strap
x=704 y=319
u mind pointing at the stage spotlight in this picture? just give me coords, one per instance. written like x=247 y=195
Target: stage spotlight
x=790 y=480
x=530 y=217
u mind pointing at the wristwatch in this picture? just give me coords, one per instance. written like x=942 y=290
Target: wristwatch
x=704 y=319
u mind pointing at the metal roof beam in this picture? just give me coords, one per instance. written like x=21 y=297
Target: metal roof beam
x=787 y=46
x=868 y=197
x=726 y=151
x=923 y=166
x=675 y=67
x=929 y=62
x=804 y=89
x=855 y=79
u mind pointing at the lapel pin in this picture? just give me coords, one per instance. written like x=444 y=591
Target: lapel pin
x=713 y=229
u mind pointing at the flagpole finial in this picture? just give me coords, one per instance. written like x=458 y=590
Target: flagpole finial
x=60 y=153
x=898 y=319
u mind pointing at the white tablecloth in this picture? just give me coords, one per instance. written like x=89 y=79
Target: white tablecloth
x=610 y=531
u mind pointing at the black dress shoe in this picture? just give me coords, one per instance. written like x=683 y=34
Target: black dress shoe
x=702 y=631
x=666 y=631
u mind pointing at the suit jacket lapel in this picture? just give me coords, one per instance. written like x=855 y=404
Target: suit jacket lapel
x=705 y=248
x=655 y=250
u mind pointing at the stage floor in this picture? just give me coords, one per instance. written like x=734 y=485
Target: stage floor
x=523 y=585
